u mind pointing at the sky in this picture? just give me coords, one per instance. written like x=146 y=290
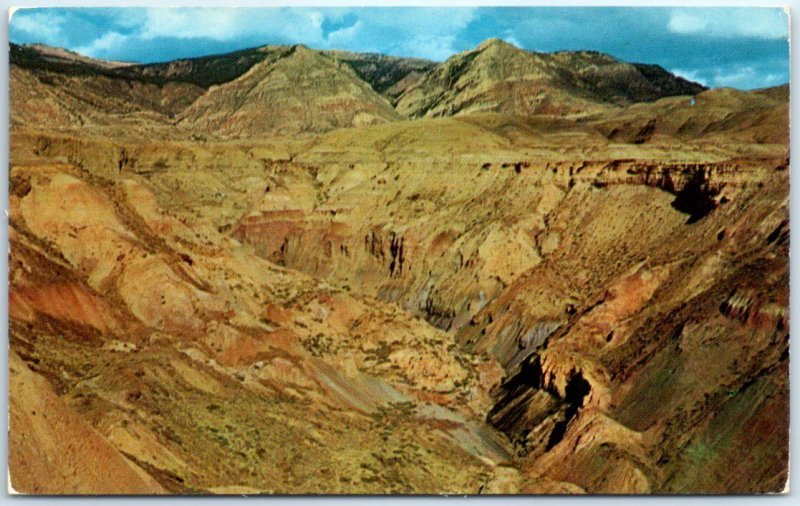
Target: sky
x=742 y=48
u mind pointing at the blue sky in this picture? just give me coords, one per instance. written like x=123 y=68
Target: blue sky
x=738 y=47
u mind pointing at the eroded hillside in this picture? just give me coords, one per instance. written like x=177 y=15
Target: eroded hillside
x=486 y=303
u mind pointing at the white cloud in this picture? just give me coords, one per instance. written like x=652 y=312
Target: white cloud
x=433 y=47
x=100 y=48
x=509 y=37
x=745 y=77
x=225 y=24
x=404 y=32
x=344 y=36
x=46 y=26
x=691 y=75
x=764 y=23
x=734 y=77
x=431 y=33
x=684 y=22
x=739 y=76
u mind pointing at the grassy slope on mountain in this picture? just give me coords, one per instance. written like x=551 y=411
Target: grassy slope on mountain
x=388 y=75
x=207 y=71
x=52 y=88
x=302 y=92
x=499 y=77
x=748 y=117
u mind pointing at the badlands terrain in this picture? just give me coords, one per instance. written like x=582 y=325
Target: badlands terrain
x=285 y=271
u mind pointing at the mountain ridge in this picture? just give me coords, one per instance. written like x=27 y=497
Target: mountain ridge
x=500 y=77
x=493 y=77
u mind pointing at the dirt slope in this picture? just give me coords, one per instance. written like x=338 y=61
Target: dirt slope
x=55 y=451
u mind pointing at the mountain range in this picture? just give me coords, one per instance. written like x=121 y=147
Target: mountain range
x=293 y=89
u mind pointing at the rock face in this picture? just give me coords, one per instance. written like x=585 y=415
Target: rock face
x=514 y=299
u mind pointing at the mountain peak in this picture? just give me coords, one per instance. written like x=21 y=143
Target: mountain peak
x=299 y=91
x=494 y=42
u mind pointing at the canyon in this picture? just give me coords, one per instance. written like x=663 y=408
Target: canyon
x=291 y=271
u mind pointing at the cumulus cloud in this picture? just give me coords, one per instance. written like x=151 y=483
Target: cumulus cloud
x=226 y=24
x=404 y=31
x=431 y=33
x=741 y=76
x=46 y=25
x=509 y=37
x=343 y=36
x=691 y=75
x=102 y=45
x=765 y=23
x=685 y=22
